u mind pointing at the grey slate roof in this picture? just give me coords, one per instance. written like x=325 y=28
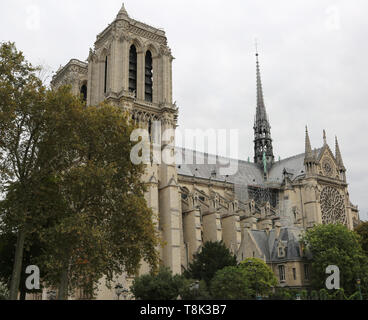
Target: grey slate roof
x=293 y=165
x=268 y=243
x=204 y=165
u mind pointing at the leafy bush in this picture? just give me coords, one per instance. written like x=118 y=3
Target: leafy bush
x=161 y=286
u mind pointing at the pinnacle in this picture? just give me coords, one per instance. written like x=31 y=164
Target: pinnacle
x=309 y=155
x=122 y=13
x=308 y=147
x=338 y=154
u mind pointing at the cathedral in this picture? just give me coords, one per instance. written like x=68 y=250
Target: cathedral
x=260 y=211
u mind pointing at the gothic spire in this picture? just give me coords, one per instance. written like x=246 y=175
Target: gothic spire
x=309 y=155
x=261 y=108
x=263 y=150
x=324 y=137
x=308 y=146
x=122 y=13
x=338 y=154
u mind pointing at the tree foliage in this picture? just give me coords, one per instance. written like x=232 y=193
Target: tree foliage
x=214 y=256
x=231 y=283
x=161 y=286
x=336 y=245
x=69 y=183
x=251 y=278
x=260 y=277
x=362 y=230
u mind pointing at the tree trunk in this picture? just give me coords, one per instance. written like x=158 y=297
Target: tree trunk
x=17 y=268
x=23 y=294
x=63 y=287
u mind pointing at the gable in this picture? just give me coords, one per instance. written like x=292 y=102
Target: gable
x=327 y=164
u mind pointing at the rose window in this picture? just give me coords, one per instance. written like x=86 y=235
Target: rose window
x=332 y=206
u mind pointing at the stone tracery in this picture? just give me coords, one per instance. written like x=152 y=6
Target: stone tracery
x=332 y=206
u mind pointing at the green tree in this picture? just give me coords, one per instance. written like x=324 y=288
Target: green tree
x=161 y=286
x=231 y=283
x=69 y=182
x=336 y=245
x=260 y=276
x=21 y=127
x=214 y=256
x=251 y=278
x=104 y=226
x=7 y=250
x=362 y=230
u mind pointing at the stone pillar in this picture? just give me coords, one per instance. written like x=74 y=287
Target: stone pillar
x=152 y=195
x=90 y=80
x=141 y=74
x=312 y=210
x=166 y=77
x=170 y=214
x=212 y=229
x=231 y=231
x=125 y=64
x=156 y=78
x=192 y=232
x=114 y=66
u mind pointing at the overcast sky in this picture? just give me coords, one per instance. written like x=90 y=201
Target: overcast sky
x=313 y=57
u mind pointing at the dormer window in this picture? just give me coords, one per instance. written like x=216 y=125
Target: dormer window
x=281 y=252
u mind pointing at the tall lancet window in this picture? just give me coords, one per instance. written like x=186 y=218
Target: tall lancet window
x=106 y=69
x=148 y=77
x=83 y=92
x=133 y=69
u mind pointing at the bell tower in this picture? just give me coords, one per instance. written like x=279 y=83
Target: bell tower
x=131 y=67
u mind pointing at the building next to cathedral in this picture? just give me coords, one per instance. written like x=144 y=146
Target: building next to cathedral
x=260 y=211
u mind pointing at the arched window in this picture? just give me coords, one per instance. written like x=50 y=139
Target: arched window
x=83 y=92
x=133 y=69
x=148 y=77
x=106 y=67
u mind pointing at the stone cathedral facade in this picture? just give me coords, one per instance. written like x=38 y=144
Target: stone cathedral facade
x=260 y=211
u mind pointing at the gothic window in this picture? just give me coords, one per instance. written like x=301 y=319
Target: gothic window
x=294 y=273
x=306 y=271
x=263 y=195
x=133 y=69
x=83 y=92
x=282 y=273
x=327 y=167
x=332 y=206
x=105 y=80
x=148 y=77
